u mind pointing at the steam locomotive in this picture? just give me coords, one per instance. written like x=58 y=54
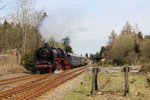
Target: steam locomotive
x=49 y=59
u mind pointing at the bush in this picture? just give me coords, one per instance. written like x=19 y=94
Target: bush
x=118 y=62
x=29 y=62
x=145 y=67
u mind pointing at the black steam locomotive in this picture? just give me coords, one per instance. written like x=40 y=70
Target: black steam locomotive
x=49 y=59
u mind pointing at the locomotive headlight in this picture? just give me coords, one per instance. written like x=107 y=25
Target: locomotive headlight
x=49 y=63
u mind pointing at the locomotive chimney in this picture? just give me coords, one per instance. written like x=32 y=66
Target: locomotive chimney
x=46 y=44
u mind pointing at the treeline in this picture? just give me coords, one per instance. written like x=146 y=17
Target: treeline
x=20 y=28
x=12 y=35
x=129 y=47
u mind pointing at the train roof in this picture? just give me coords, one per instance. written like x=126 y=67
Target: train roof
x=71 y=54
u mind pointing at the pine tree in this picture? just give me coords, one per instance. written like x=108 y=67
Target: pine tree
x=66 y=43
x=140 y=36
x=112 y=37
x=86 y=55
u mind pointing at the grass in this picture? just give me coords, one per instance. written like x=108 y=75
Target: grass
x=138 y=87
x=114 y=89
x=81 y=92
x=115 y=84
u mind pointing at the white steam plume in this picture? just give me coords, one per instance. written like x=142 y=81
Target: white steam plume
x=57 y=27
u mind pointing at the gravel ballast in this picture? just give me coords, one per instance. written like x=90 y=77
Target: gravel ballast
x=59 y=92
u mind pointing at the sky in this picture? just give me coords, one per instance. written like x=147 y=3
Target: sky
x=90 y=22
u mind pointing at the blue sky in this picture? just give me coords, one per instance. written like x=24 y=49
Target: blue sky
x=93 y=20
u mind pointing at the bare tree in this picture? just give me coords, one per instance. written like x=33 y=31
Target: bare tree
x=25 y=13
x=127 y=29
x=112 y=37
x=37 y=20
x=22 y=10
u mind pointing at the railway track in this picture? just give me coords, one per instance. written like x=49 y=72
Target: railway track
x=17 y=79
x=38 y=87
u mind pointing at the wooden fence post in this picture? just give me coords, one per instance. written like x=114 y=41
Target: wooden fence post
x=94 y=81
x=126 y=70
